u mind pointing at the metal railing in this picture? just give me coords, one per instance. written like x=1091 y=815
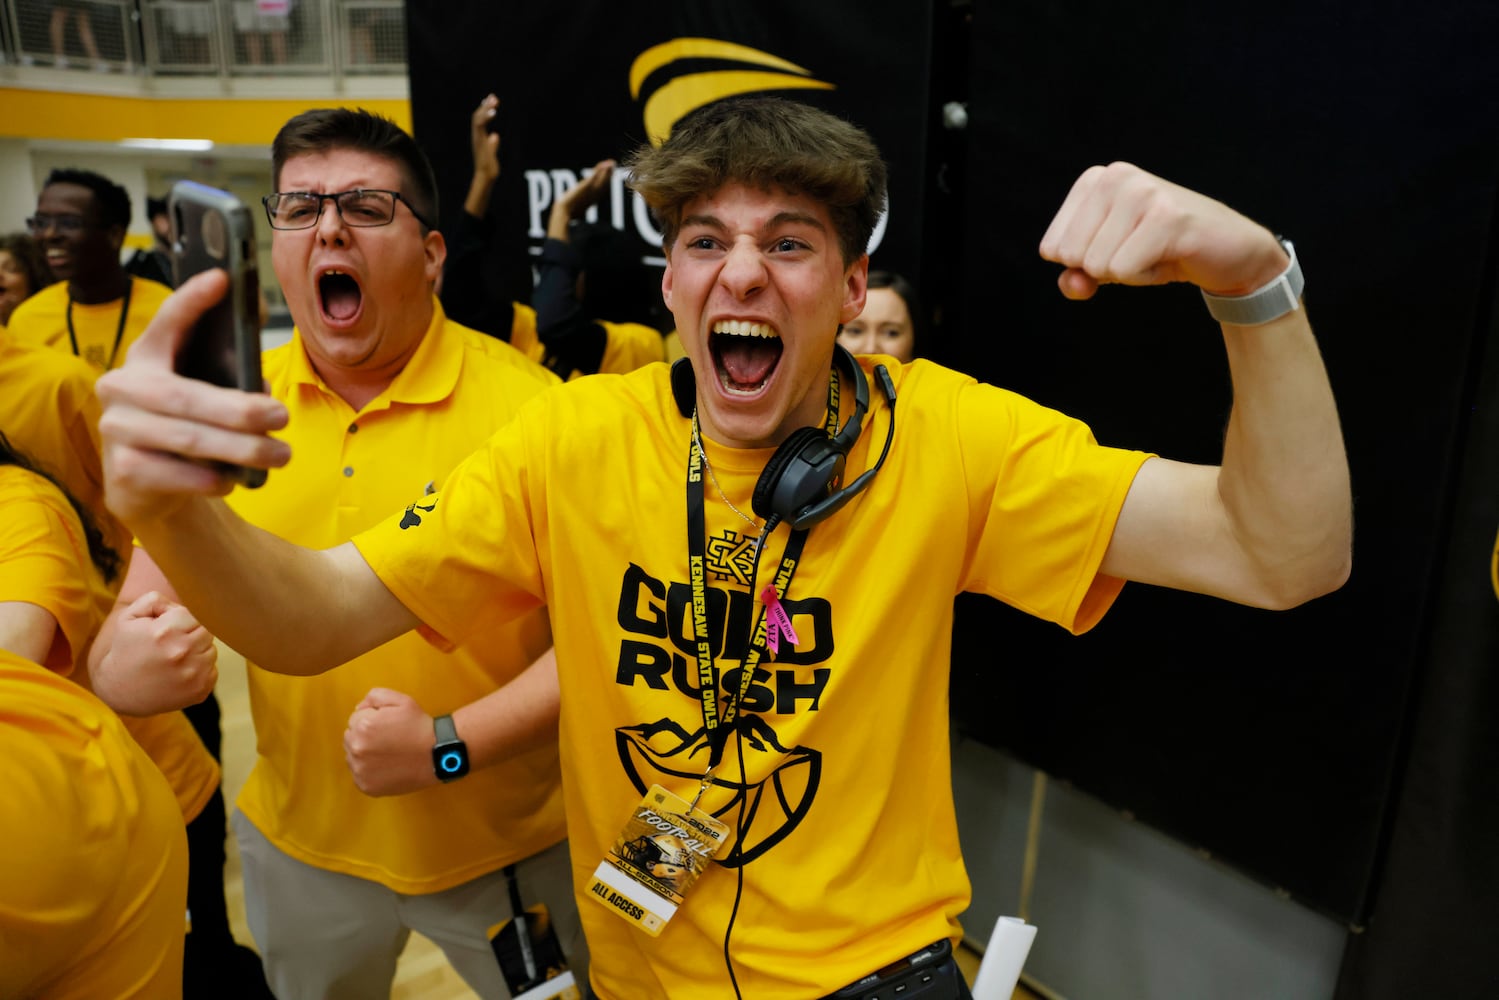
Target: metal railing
x=207 y=37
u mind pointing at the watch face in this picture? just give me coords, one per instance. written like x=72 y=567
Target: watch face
x=450 y=761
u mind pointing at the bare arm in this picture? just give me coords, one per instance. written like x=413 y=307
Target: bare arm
x=578 y=199
x=486 y=149
x=287 y=608
x=388 y=742
x=27 y=630
x=1272 y=526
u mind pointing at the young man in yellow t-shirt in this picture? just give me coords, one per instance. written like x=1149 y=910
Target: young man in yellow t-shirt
x=387 y=396
x=820 y=746
x=97 y=309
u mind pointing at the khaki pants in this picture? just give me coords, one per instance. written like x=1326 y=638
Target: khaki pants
x=328 y=936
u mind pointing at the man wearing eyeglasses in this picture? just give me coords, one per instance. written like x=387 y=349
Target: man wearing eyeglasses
x=386 y=396
x=97 y=309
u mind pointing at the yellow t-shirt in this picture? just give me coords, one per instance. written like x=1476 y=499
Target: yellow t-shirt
x=93 y=876
x=347 y=472
x=49 y=411
x=175 y=747
x=849 y=838
x=628 y=345
x=44 y=560
x=42 y=320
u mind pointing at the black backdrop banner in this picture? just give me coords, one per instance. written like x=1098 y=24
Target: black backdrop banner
x=588 y=80
x=1436 y=921
x=1273 y=741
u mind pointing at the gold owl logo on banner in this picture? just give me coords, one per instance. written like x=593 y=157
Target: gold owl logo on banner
x=683 y=94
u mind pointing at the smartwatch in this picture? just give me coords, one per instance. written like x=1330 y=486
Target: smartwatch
x=449 y=753
x=1279 y=297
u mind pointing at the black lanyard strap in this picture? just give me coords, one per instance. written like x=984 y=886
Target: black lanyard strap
x=717 y=725
x=119 y=328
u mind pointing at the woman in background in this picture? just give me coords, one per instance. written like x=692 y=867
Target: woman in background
x=892 y=322
x=23 y=271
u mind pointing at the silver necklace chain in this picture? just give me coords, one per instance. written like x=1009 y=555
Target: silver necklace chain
x=697 y=440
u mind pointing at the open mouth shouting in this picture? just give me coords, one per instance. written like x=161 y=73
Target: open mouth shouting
x=745 y=355
x=339 y=297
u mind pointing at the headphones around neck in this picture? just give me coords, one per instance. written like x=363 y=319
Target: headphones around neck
x=800 y=485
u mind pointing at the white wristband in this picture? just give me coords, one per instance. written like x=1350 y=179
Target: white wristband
x=1272 y=301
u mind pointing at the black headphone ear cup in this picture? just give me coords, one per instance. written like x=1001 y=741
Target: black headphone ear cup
x=683 y=386
x=789 y=454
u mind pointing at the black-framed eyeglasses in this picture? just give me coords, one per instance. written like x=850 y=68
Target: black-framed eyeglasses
x=362 y=208
x=41 y=222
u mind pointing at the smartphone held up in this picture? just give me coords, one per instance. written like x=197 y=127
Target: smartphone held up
x=213 y=229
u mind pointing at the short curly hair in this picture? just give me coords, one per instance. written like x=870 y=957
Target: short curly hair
x=766 y=143
x=111 y=201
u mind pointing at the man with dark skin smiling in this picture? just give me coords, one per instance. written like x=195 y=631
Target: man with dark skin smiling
x=786 y=715
x=97 y=309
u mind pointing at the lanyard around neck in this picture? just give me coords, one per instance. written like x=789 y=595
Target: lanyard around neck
x=119 y=328
x=718 y=724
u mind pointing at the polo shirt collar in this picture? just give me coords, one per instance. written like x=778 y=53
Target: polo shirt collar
x=429 y=377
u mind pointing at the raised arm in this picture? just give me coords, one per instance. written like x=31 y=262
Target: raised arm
x=1272 y=526
x=465 y=287
x=572 y=338
x=485 y=146
x=575 y=202
x=388 y=742
x=287 y=608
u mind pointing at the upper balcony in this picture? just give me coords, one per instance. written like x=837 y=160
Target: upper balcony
x=318 y=48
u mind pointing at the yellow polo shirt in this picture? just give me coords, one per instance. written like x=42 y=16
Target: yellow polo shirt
x=93 y=877
x=348 y=471
x=42 y=320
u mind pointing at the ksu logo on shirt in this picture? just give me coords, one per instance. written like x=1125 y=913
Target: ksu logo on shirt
x=658 y=652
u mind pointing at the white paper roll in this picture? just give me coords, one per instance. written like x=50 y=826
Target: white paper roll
x=999 y=972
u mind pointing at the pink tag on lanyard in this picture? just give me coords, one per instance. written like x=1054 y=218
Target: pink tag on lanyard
x=777 y=621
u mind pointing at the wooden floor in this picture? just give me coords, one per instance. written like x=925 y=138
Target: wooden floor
x=423 y=972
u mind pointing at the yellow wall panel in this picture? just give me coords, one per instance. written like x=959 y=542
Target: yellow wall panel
x=41 y=114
